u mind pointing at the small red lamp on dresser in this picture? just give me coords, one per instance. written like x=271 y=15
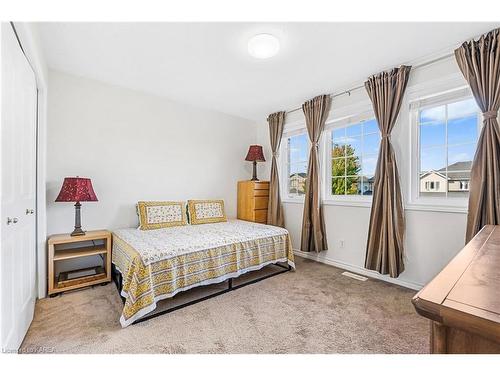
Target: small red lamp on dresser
x=255 y=154
x=77 y=189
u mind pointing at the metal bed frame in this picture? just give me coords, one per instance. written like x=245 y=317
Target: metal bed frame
x=118 y=279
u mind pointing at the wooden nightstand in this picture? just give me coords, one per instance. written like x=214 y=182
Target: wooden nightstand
x=63 y=247
x=253 y=197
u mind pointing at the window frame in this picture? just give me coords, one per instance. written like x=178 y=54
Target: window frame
x=361 y=114
x=284 y=162
x=415 y=105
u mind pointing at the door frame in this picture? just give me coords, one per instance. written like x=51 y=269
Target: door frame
x=28 y=39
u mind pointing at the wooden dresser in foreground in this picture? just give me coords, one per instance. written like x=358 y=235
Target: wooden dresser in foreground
x=463 y=300
x=253 y=197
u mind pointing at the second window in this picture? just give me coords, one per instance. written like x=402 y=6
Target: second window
x=354 y=151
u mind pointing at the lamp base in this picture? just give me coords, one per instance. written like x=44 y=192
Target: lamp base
x=254 y=174
x=77 y=232
x=78 y=223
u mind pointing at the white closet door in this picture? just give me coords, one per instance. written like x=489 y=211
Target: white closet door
x=18 y=187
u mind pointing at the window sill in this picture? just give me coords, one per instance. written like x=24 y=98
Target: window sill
x=348 y=203
x=368 y=204
x=436 y=208
x=291 y=200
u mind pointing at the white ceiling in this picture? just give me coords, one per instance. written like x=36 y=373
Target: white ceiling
x=207 y=64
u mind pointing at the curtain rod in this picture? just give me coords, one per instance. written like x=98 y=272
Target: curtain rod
x=348 y=92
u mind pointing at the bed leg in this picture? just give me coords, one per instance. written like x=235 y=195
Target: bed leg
x=117 y=277
x=230 y=284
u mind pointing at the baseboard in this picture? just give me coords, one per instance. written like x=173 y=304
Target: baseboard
x=358 y=270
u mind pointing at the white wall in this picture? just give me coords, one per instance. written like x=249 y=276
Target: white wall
x=136 y=146
x=432 y=238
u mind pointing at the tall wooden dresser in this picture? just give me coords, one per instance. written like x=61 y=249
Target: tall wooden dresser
x=253 y=197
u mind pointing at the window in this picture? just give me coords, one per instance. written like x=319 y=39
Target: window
x=297 y=154
x=353 y=157
x=447 y=131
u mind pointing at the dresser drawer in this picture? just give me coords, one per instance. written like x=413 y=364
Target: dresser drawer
x=261 y=216
x=261 y=185
x=261 y=203
x=261 y=193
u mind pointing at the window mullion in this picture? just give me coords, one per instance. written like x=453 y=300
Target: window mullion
x=362 y=177
x=446 y=148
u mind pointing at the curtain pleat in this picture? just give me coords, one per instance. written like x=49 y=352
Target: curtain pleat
x=385 y=245
x=313 y=223
x=479 y=62
x=275 y=214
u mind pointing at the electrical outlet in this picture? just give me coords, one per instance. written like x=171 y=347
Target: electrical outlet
x=342 y=244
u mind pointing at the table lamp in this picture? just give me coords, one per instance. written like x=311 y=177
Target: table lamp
x=77 y=189
x=255 y=155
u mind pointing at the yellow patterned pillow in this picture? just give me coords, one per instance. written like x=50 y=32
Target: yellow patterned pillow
x=155 y=215
x=206 y=211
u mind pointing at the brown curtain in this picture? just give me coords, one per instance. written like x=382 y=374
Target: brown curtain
x=313 y=223
x=479 y=62
x=275 y=209
x=384 y=248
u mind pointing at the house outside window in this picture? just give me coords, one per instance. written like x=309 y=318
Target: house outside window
x=294 y=169
x=445 y=132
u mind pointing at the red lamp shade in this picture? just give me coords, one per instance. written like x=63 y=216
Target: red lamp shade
x=76 y=189
x=255 y=153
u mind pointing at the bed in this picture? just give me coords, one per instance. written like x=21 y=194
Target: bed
x=157 y=264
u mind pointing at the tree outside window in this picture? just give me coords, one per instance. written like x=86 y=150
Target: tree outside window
x=354 y=154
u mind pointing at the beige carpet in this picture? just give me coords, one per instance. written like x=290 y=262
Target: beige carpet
x=312 y=310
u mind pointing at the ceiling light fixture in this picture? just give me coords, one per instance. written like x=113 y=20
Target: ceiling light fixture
x=263 y=46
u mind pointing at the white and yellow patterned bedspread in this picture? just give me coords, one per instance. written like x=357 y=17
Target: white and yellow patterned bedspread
x=157 y=264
